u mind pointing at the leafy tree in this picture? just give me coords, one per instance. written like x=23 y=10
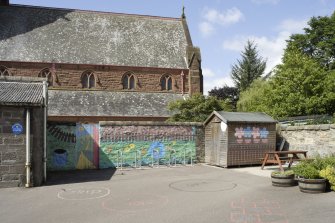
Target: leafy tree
x=254 y=99
x=300 y=86
x=196 y=108
x=318 y=41
x=226 y=93
x=249 y=68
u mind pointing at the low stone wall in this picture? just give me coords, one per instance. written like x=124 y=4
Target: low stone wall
x=316 y=139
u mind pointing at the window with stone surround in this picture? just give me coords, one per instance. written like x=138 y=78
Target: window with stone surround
x=166 y=82
x=47 y=74
x=88 y=79
x=129 y=81
x=4 y=71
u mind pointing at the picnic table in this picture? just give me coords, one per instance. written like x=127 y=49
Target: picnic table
x=280 y=157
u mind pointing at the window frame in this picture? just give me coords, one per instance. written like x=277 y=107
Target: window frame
x=86 y=79
x=47 y=73
x=129 y=81
x=3 y=71
x=166 y=82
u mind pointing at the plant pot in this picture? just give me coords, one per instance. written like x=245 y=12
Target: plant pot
x=283 y=180
x=312 y=186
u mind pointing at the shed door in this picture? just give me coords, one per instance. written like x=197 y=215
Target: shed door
x=215 y=158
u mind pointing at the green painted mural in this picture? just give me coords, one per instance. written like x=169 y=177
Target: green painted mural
x=134 y=146
x=76 y=146
x=72 y=146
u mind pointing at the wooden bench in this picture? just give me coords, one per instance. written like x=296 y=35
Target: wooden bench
x=275 y=157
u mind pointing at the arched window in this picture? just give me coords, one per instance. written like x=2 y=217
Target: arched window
x=4 y=71
x=47 y=74
x=88 y=79
x=128 y=81
x=166 y=83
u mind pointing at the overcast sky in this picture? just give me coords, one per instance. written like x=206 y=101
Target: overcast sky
x=220 y=27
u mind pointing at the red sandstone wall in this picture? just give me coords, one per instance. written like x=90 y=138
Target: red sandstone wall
x=68 y=76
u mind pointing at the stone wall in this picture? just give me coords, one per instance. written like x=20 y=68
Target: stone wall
x=317 y=139
x=13 y=147
x=68 y=76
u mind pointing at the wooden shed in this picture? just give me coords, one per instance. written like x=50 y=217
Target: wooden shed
x=238 y=138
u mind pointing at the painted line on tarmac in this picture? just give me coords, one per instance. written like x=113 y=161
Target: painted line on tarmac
x=134 y=203
x=77 y=194
x=202 y=185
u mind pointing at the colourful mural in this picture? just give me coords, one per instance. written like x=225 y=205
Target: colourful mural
x=134 y=146
x=72 y=146
x=87 y=146
x=251 y=135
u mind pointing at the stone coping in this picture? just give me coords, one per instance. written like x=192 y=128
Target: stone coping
x=307 y=127
x=149 y=123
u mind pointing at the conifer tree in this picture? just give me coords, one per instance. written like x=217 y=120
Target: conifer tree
x=249 y=68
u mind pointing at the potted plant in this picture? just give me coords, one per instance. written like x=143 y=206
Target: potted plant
x=309 y=179
x=283 y=179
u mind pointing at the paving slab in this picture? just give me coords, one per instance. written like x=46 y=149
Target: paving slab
x=184 y=194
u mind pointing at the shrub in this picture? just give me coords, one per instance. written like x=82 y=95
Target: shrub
x=307 y=170
x=329 y=174
x=285 y=173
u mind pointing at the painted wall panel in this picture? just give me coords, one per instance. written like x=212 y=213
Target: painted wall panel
x=72 y=146
x=146 y=145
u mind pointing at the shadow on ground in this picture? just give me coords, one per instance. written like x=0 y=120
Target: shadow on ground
x=78 y=176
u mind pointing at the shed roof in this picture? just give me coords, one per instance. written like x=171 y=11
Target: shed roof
x=21 y=93
x=254 y=117
x=102 y=103
x=37 y=34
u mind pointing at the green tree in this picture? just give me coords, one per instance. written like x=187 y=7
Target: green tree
x=249 y=68
x=255 y=98
x=318 y=41
x=196 y=108
x=300 y=86
x=226 y=93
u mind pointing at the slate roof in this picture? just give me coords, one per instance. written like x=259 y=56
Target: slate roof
x=102 y=103
x=21 y=94
x=254 y=117
x=37 y=34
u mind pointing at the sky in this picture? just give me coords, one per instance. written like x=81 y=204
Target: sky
x=220 y=28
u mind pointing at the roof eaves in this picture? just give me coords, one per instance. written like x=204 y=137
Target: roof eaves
x=211 y=115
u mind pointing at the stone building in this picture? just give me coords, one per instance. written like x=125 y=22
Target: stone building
x=22 y=131
x=100 y=66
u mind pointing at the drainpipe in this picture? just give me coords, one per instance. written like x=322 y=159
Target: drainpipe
x=28 y=163
x=45 y=96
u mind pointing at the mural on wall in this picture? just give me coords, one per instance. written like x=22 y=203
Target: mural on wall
x=72 y=146
x=250 y=135
x=146 y=145
x=87 y=146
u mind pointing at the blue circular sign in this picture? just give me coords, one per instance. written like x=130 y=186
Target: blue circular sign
x=17 y=128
